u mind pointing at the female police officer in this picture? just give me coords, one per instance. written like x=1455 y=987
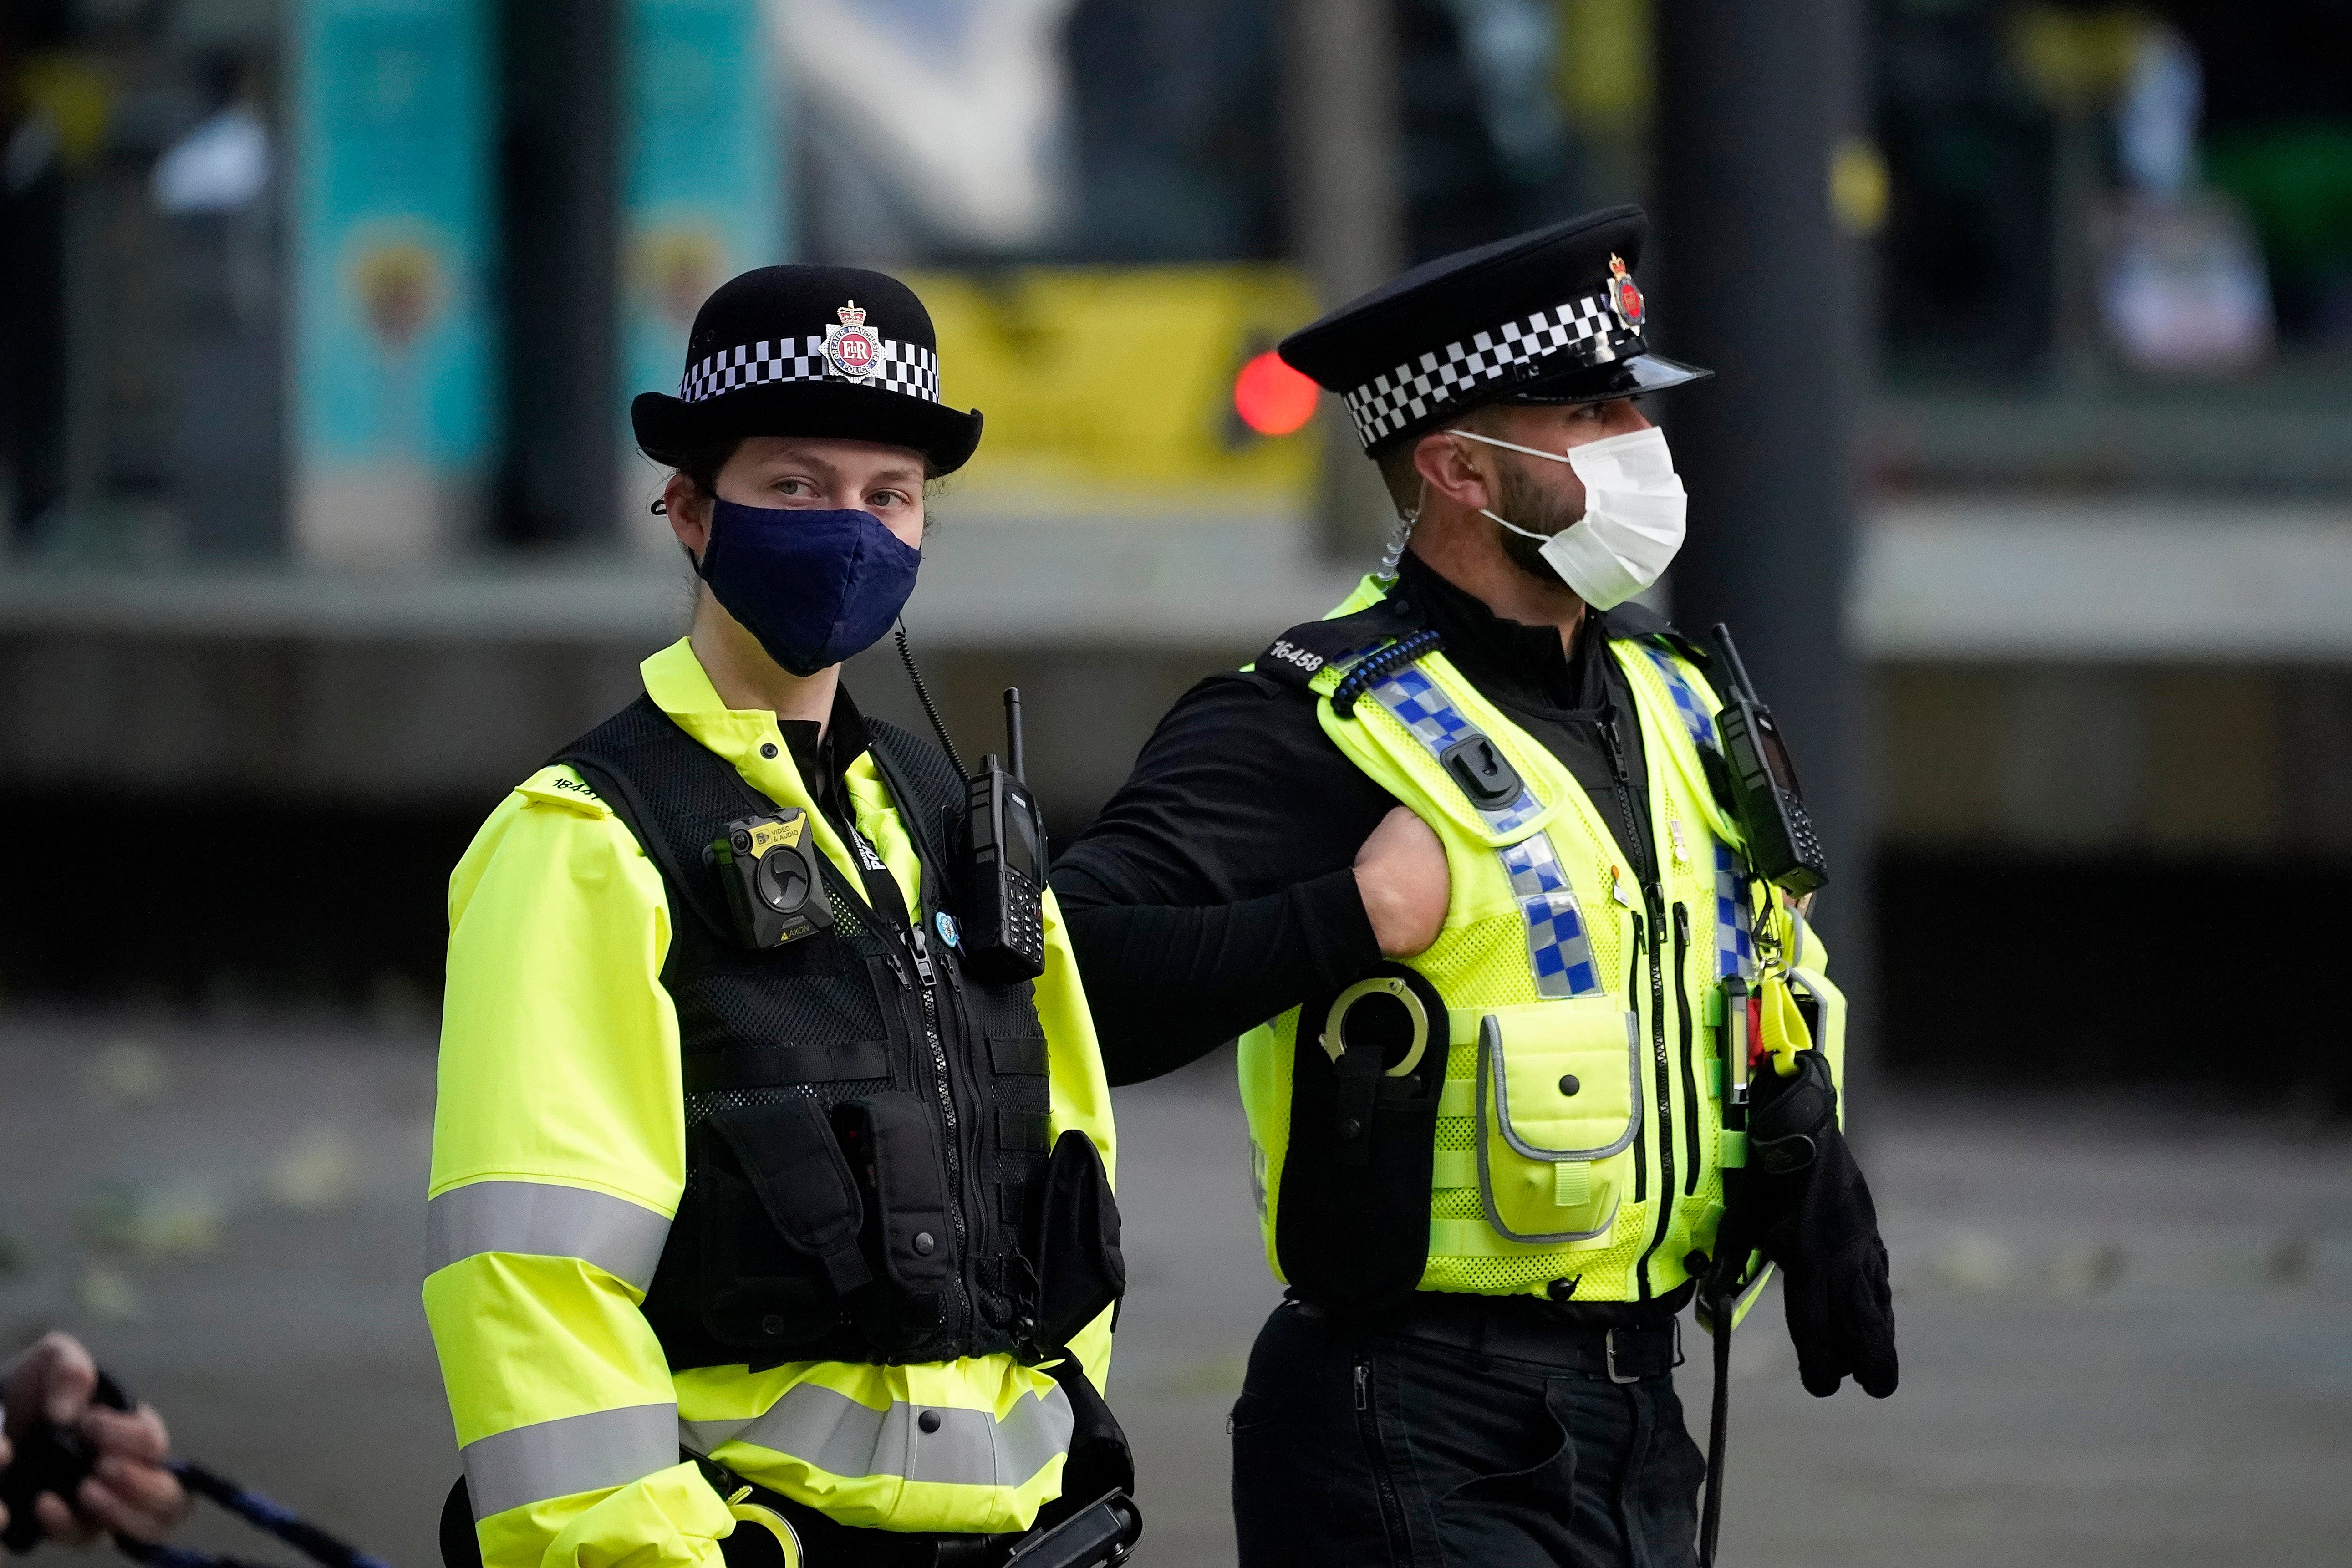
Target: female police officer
x=735 y=1152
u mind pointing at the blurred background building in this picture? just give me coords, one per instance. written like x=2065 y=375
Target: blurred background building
x=2026 y=481
x=2027 y=478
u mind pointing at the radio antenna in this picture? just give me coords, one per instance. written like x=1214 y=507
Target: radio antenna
x=1730 y=657
x=923 y=691
x=1015 y=752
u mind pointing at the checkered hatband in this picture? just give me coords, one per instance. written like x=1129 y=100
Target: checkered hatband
x=1581 y=333
x=904 y=367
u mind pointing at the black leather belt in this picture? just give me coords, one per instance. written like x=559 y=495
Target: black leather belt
x=1523 y=1329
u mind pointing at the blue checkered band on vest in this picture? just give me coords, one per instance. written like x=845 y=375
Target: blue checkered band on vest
x=1558 y=948
x=1734 y=949
x=1581 y=333
x=1695 y=718
x=1416 y=703
x=909 y=368
x=1557 y=945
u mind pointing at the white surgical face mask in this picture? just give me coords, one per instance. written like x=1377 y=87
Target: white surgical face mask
x=1634 y=510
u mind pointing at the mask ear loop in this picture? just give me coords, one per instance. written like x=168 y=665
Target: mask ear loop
x=1513 y=446
x=1515 y=528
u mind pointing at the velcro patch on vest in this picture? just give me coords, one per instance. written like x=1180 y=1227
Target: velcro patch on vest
x=557 y=786
x=1018 y=1054
x=1027 y=1130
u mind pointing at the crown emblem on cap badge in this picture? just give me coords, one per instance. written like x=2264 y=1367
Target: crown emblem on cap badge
x=1623 y=297
x=853 y=348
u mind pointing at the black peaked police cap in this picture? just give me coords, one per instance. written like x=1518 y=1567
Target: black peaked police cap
x=1550 y=316
x=809 y=351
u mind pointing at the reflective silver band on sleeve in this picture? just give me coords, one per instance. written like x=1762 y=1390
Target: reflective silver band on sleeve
x=542 y=1220
x=841 y=1437
x=602 y=1449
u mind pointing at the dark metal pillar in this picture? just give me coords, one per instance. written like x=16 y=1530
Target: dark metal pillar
x=1756 y=276
x=1344 y=119
x=559 y=200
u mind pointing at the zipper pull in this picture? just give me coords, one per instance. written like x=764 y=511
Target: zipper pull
x=1613 y=744
x=1363 y=1399
x=1681 y=924
x=896 y=969
x=922 y=952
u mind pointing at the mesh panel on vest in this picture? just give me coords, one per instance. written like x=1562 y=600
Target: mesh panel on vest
x=1490 y=960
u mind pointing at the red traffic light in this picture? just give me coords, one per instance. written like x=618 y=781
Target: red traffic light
x=1272 y=398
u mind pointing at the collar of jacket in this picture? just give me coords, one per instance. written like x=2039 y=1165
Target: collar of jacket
x=1505 y=657
x=680 y=687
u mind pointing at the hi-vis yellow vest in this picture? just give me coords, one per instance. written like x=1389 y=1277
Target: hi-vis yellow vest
x=1577 y=1137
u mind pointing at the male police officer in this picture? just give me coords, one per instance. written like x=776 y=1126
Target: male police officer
x=1466 y=844
x=736 y=1153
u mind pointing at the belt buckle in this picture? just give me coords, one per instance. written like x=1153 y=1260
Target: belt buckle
x=1608 y=1354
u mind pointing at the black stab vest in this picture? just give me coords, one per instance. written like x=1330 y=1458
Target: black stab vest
x=868 y=1176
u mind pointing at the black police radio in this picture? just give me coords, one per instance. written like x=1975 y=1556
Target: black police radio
x=1782 y=846
x=1005 y=917
x=769 y=866
x=1004 y=848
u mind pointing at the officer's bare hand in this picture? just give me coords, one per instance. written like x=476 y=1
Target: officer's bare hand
x=129 y=1492
x=1401 y=875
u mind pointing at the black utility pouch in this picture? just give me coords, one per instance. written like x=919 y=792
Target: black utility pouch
x=896 y=1154
x=779 y=1223
x=1352 y=1229
x=1080 y=1270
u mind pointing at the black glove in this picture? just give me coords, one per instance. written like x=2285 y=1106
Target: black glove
x=1803 y=1201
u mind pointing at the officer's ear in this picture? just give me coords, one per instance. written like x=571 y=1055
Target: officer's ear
x=687 y=505
x=1454 y=468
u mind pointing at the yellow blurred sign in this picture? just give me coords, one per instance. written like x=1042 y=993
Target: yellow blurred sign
x=1109 y=389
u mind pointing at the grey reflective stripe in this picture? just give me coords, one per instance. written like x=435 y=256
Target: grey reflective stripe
x=843 y=1437
x=587 y=1453
x=541 y=1219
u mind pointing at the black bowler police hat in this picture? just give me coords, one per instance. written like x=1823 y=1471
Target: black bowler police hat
x=809 y=351
x=1552 y=316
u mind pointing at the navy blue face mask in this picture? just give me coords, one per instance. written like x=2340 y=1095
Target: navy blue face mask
x=813 y=586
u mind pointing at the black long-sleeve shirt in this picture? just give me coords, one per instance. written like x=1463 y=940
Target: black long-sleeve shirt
x=1216 y=891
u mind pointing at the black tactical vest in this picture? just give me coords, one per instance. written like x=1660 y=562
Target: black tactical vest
x=869 y=1175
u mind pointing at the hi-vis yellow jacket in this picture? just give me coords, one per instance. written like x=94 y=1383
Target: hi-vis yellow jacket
x=559 y=1159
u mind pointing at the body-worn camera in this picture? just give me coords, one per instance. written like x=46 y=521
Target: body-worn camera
x=1782 y=847
x=1005 y=930
x=769 y=869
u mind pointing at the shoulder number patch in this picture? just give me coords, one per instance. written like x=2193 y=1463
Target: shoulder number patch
x=1291 y=653
x=556 y=787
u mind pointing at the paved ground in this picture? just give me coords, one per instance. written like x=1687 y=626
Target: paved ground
x=2124 y=1332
